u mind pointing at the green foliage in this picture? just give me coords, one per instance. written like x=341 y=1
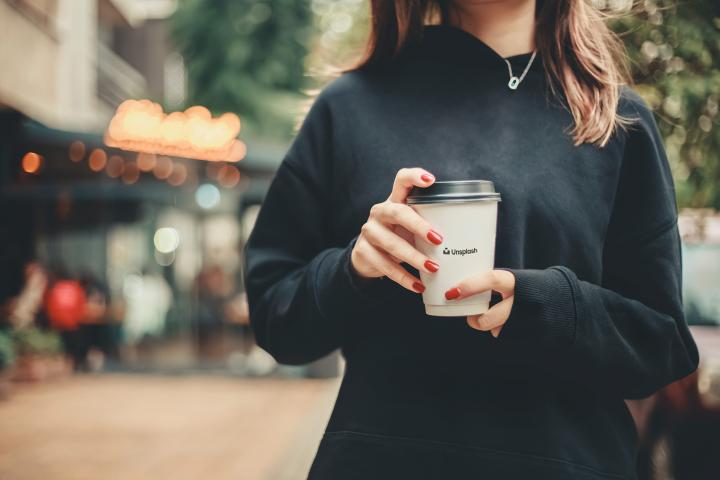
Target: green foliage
x=674 y=48
x=247 y=57
x=34 y=341
x=7 y=349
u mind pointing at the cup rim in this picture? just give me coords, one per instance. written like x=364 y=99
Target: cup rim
x=447 y=191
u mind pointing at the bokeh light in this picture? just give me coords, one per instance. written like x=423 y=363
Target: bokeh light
x=166 y=240
x=229 y=176
x=164 y=259
x=146 y=161
x=97 y=160
x=131 y=173
x=115 y=166
x=238 y=151
x=341 y=22
x=207 y=196
x=178 y=175
x=141 y=125
x=163 y=167
x=76 y=152
x=31 y=162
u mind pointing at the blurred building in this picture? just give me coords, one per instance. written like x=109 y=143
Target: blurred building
x=69 y=63
x=161 y=234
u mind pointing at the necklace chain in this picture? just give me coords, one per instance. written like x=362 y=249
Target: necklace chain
x=515 y=81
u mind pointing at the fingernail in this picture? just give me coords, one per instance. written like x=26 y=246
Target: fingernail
x=434 y=237
x=432 y=266
x=494 y=333
x=426 y=177
x=419 y=287
x=452 y=293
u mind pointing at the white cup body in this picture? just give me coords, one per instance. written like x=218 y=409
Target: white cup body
x=468 y=248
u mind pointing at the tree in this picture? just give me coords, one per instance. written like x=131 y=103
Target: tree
x=674 y=49
x=247 y=57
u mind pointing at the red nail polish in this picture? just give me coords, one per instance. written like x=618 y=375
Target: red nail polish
x=419 y=287
x=434 y=237
x=432 y=266
x=452 y=293
x=426 y=177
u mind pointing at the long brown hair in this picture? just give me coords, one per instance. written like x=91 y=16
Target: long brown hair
x=583 y=59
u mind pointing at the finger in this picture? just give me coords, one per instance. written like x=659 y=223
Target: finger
x=381 y=237
x=405 y=179
x=381 y=262
x=499 y=280
x=493 y=318
x=404 y=234
x=399 y=230
x=495 y=332
x=400 y=214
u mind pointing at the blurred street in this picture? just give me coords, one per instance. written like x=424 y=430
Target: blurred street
x=151 y=427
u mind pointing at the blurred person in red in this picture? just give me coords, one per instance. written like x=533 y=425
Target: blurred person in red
x=65 y=307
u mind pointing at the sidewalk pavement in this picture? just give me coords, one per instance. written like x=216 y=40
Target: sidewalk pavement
x=125 y=427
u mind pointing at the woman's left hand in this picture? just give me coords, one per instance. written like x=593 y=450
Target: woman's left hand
x=500 y=281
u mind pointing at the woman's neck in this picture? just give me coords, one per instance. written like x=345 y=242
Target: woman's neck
x=506 y=26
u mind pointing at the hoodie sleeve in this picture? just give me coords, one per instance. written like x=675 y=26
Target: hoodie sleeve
x=300 y=285
x=627 y=336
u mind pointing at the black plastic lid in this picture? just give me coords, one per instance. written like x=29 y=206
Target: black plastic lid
x=454 y=191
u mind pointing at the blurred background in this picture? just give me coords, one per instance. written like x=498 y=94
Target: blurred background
x=137 y=140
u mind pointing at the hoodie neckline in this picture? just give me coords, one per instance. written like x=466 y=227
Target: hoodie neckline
x=453 y=44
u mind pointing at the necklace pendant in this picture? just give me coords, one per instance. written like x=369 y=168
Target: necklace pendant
x=513 y=83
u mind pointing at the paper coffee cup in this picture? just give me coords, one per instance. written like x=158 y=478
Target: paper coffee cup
x=465 y=213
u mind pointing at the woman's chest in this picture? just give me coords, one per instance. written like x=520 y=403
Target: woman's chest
x=553 y=193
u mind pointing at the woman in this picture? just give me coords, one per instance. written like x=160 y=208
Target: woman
x=588 y=251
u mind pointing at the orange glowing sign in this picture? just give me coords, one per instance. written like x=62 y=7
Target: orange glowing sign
x=142 y=126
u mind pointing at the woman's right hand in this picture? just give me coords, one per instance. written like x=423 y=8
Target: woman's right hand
x=387 y=238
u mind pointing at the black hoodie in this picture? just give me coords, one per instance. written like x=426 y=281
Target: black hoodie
x=590 y=234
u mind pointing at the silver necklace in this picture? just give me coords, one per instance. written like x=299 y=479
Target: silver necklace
x=515 y=81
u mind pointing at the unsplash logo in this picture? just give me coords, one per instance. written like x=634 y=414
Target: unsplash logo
x=463 y=252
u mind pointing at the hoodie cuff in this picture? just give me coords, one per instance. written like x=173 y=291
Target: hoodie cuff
x=543 y=308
